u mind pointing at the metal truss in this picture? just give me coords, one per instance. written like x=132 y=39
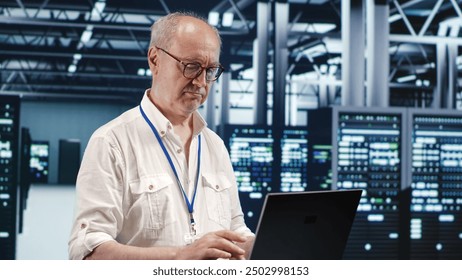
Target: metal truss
x=44 y=49
x=84 y=47
x=423 y=26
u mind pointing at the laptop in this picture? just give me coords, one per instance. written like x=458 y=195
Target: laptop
x=310 y=225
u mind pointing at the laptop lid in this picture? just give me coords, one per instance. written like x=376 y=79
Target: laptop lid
x=305 y=225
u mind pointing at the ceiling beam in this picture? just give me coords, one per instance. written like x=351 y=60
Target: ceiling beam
x=67 y=87
x=73 y=24
x=432 y=40
x=70 y=96
x=97 y=25
x=49 y=53
x=79 y=74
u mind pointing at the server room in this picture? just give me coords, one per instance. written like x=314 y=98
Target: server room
x=315 y=96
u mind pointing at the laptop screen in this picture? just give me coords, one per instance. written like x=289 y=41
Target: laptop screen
x=305 y=225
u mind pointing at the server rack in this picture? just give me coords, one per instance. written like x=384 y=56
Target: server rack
x=366 y=152
x=9 y=141
x=435 y=177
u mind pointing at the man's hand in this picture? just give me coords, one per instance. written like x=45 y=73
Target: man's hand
x=214 y=245
x=247 y=246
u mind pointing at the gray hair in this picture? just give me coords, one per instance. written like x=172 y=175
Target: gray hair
x=163 y=30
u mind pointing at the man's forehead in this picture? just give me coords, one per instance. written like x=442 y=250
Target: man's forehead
x=190 y=25
x=193 y=38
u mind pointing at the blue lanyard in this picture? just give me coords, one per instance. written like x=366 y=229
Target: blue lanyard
x=188 y=203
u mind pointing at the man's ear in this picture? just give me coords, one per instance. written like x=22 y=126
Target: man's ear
x=152 y=56
x=153 y=59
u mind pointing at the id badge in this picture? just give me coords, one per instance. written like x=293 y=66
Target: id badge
x=190 y=237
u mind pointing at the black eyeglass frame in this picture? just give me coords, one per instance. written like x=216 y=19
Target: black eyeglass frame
x=219 y=68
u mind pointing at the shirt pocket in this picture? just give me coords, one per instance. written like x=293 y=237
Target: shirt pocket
x=153 y=201
x=217 y=196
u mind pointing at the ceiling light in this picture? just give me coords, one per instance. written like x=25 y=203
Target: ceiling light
x=141 y=72
x=459 y=60
x=393 y=49
x=77 y=56
x=227 y=19
x=321 y=28
x=333 y=69
x=99 y=6
x=214 y=18
x=334 y=60
x=236 y=66
x=72 y=68
x=97 y=10
x=394 y=18
x=406 y=79
x=86 y=35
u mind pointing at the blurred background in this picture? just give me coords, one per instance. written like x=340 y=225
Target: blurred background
x=316 y=95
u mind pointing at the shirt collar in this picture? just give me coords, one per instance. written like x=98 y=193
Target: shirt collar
x=161 y=123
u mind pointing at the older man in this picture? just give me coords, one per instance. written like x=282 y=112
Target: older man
x=156 y=183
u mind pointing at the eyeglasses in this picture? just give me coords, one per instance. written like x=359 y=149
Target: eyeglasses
x=194 y=69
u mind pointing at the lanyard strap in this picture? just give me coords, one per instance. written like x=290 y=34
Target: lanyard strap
x=189 y=204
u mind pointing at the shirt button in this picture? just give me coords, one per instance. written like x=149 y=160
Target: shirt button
x=82 y=226
x=162 y=132
x=217 y=187
x=150 y=187
x=169 y=126
x=179 y=150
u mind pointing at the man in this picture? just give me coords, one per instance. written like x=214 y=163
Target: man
x=156 y=183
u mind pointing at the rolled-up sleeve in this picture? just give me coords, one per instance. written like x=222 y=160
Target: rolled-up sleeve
x=98 y=213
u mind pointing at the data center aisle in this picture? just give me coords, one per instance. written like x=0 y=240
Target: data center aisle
x=47 y=223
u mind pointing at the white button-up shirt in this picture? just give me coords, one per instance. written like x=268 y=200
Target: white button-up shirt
x=127 y=191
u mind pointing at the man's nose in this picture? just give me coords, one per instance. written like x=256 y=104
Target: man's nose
x=200 y=80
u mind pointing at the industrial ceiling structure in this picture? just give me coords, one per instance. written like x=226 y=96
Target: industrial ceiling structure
x=96 y=49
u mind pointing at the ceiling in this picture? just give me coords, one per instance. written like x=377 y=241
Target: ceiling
x=96 y=49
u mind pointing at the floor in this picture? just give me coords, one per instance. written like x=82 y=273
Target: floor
x=47 y=223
